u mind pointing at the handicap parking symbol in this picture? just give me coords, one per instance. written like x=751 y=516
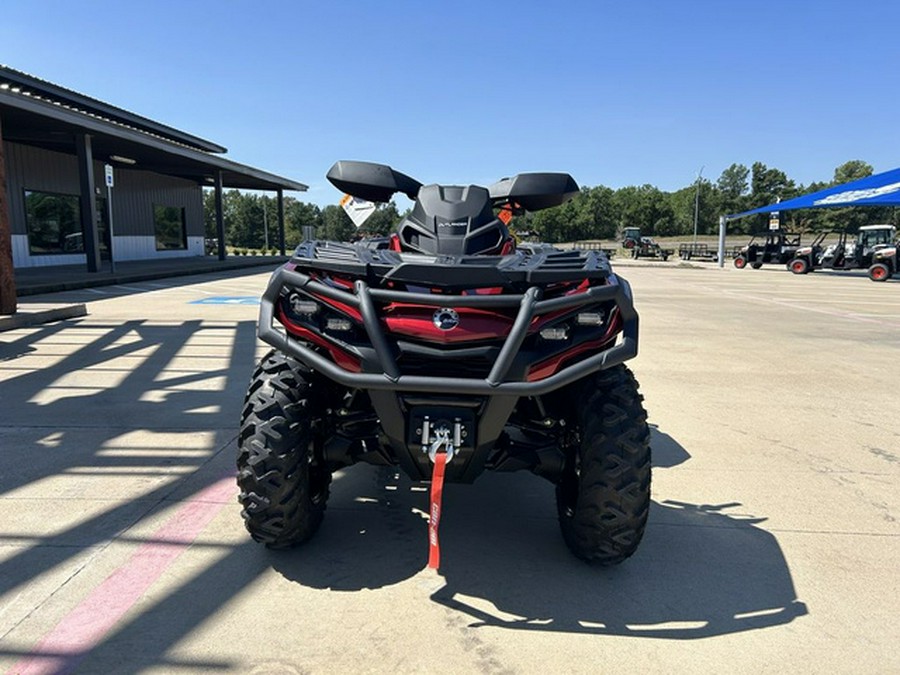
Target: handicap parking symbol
x=227 y=300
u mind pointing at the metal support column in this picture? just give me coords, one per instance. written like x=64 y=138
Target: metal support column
x=722 y=227
x=88 y=199
x=281 y=221
x=220 y=217
x=7 y=273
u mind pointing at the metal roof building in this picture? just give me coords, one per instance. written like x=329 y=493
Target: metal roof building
x=55 y=146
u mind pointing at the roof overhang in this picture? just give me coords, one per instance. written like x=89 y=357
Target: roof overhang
x=42 y=123
x=880 y=189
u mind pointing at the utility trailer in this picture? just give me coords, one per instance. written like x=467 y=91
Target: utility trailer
x=698 y=251
x=774 y=246
x=846 y=252
x=595 y=246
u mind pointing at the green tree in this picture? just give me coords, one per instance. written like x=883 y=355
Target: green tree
x=595 y=213
x=382 y=222
x=851 y=218
x=591 y=214
x=733 y=189
x=297 y=216
x=767 y=186
x=209 y=214
x=553 y=225
x=851 y=171
x=806 y=220
x=336 y=224
x=708 y=207
x=646 y=207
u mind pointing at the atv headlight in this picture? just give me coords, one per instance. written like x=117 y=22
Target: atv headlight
x=555 y=333
x=337 y=323
x=302 y=306
x=590 y=318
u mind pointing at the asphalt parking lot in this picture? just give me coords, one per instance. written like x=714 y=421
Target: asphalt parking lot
x=772 y=543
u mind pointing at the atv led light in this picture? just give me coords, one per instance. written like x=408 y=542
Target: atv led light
x=555 y=333
x=589 y=319
x=299 y=306
x=337 y=324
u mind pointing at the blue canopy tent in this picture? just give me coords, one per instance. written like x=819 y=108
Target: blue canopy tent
x=882 y=189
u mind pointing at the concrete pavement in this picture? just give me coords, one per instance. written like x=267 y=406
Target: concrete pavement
x=772 y=542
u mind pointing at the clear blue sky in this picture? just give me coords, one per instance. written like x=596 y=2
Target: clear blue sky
x=616 y=93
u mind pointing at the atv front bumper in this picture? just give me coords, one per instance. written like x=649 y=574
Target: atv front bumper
x=506 y=375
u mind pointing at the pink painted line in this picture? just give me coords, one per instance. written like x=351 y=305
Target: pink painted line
x=85 y=626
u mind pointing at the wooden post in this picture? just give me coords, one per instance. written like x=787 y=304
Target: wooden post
x=7 y=273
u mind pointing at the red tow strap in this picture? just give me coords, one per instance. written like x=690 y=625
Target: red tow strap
x=437 y=489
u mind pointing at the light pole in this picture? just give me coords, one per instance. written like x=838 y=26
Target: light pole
x=697 y=203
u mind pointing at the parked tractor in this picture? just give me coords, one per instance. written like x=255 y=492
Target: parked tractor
x=648 y=248
x=846 y=253
x=884 y=264
x=774 y=246
x=631 y=237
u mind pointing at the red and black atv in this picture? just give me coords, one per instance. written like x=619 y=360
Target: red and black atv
x=447 y=350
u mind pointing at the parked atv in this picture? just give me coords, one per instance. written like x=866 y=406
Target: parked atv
x=845 y=253
x=774 y=246
x=884 y=264
x=448 y=351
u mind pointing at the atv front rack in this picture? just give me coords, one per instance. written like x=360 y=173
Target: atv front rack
x=380 y=366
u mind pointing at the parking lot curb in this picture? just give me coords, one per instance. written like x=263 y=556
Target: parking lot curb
x=24 y=319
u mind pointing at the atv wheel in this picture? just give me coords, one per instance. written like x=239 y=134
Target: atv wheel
x=283 y=487
x=879 y=272
x=740 y=262
x=756 y=265
x=604 y=494
x=799 y=266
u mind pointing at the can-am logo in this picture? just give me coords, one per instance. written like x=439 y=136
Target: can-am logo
x=445 y=318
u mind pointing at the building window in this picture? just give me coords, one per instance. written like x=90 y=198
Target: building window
x=53 y=223
x=171 y=233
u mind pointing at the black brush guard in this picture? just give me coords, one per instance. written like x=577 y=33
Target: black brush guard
x=397 y=396
x=497 y=382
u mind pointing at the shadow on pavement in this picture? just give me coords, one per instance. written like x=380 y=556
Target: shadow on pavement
x=701 y=570
x=667 y=452
x=85 y=433
x=373 y=534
